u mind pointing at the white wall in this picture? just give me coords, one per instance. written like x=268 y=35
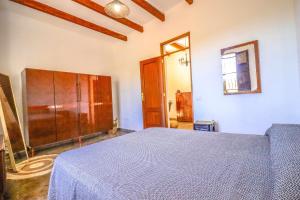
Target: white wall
x=29 y=38
x=297 y=15
x=215 y=24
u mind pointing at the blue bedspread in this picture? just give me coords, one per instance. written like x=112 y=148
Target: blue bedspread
x=166 y=164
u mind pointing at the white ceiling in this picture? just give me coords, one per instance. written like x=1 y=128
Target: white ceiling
x=137 y=14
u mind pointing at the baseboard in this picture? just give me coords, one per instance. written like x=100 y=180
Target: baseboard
x=126 y=130
x=64 y=142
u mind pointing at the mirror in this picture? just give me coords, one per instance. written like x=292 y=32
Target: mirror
x=10 y=120
x=240 y=69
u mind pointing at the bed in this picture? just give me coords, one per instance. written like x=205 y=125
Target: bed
x=167 y=164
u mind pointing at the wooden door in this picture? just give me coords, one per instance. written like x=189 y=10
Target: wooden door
x=66 y=105
x=152 y=85
x=105 y=109
x=40 y=106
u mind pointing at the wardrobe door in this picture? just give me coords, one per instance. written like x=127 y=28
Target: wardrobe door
x=105 y=112
x=86 y=116
x=39 y=104
x=66 y=105
x=97 y=114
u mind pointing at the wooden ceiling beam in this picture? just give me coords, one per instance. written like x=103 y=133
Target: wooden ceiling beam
x=189 y=1
x=68 y=17
x=177 y=46
x=100 y=9
x=151 y=9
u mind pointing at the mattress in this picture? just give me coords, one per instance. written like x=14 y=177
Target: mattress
x=167 y=164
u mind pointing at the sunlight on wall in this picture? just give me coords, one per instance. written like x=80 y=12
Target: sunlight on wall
x=247 y=20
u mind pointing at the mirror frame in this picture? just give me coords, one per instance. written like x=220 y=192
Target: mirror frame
x=257 y=63
x=5 y=130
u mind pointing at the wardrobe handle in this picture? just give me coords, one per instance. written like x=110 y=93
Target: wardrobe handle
x=79 y=93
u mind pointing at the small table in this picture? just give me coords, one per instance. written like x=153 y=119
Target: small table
x=209 y=126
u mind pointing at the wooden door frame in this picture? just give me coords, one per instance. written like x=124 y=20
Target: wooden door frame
x=142 y=63
x=187 y=34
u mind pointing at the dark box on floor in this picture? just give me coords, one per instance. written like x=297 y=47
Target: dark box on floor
x=205 y=126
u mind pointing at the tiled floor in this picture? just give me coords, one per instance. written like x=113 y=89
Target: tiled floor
x=181 y=125
x=185 y=125
x=37 y=188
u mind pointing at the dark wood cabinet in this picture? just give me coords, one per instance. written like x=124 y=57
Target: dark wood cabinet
x=60 y=106
x=95 y=104
x=66 y=105
x=39 y=106
x=105 y=103
x=88 y=94
x=184 y=107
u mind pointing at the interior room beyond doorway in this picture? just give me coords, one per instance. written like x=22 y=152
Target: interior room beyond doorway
x=178 y=83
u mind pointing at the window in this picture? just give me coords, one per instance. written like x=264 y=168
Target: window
x=230 y=72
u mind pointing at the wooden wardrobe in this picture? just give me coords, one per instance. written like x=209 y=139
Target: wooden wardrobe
x=60 y=106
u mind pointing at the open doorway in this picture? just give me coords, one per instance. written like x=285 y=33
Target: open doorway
x=178 y=82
